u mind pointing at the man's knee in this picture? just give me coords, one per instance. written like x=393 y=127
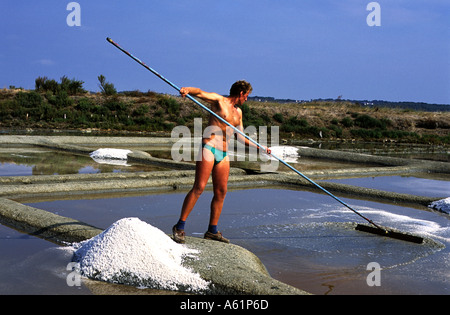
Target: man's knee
x=220 y=192
x=198 y=189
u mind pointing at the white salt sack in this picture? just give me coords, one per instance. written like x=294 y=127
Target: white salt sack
x=134 y=252
x=442 y=205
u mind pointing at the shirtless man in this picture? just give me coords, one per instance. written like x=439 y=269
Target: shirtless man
x=214 y=159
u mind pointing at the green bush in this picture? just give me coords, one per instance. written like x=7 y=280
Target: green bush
x=61 y=99
x=252 y=117
x=116 y=106
x=337 y=130
x=46 y=112
x=141 y=110
x=84 y=105
x=368 y=122
x=278 y=117
x=366 y=134
x=106 y=88
x=70 y=86
x=302 y=127
x=28 y=99
x=170 y=105
x=7 y=109
x=347 y=122
x=43 y=84
x=293 y=124
x=334 y=121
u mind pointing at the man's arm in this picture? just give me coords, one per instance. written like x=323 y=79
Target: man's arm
x=211 y=98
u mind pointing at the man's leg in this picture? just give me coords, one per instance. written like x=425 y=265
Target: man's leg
x=202 y=171
x=220 y=175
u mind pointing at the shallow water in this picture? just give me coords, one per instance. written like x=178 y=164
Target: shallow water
x=27 y=161
x=29 y=265
x=303 y=238
x=420 y=186
x=30 y=160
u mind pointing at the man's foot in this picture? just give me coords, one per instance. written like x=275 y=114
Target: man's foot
x=215 y=237
x=178 y=235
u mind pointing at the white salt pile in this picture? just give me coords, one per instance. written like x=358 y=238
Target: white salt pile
x=442 y=205
x=287 y=153
x=134 y=252
x=110 y=156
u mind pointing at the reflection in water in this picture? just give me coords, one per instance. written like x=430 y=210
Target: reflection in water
x=35 y=161
x=19 y=161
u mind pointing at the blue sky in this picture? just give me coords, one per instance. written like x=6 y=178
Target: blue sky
x=286 y=48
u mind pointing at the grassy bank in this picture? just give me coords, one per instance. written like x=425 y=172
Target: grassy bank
x=134 y=111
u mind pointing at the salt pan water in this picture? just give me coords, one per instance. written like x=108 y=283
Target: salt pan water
x=303 y=238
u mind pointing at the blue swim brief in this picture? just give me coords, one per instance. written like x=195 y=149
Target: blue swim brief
x=219 y=155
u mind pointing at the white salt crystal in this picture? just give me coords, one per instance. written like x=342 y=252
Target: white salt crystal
x=287 y=153
x=110 y=156
x=118 y=154
x=134 y=252
x=441 y=205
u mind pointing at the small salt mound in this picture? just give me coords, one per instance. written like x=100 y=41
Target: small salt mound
x=135 y=253
x=110 y=156
x=117 y=154
x=442 y=205
x=287 y=153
